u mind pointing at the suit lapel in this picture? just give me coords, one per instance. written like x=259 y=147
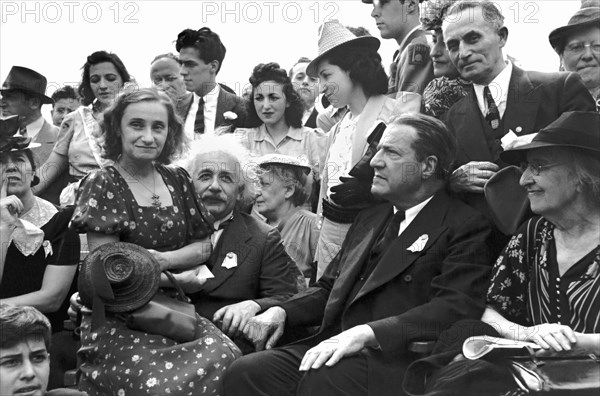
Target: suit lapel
x=468 y=129
x=359 y=247
x=522 y=103
x=221 y=108
x=233 y=240
x=398 y=258
x=45 y=134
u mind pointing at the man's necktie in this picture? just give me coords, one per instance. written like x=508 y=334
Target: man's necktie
x=493 y=115
x=391 y=233
x=199 y=123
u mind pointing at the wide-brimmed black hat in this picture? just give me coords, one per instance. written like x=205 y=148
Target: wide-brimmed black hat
x=332 y=35
x=120 y=276
x=26 y=80
x=588 y=16
x=10 y=138
x=578 y=129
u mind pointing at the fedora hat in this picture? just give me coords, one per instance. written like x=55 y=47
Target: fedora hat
x=120 y=276
x=578 y=129
x=332 y=35
x=286 y=160
x=10 y=138
x=23 y=79
x=587 y=16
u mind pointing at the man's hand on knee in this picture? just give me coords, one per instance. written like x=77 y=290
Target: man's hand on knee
x=332 y=350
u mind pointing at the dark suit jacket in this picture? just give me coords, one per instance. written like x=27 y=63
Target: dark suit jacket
x=408 y=296
x=265 y=273
x=47 y=138
x=534 y=100
x=226 y=102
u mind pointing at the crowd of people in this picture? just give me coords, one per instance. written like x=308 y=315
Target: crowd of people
x=319 y=225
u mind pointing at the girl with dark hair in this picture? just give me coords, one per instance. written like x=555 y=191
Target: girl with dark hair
x=351 y=75
x=80 y=139
x=278 y=108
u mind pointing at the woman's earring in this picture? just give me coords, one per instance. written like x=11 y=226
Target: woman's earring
x=35 y=181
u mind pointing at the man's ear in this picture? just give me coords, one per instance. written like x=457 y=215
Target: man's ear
x=429 y=167
x=214 y=66
x=34 y=103
x=503 y=33
x=412 y=6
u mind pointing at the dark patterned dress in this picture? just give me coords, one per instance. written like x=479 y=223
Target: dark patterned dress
x=441 y=93
x=120 y=361
x=526 y=287
x=106 y=205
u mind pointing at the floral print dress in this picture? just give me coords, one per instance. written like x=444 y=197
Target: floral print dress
x=115 y=359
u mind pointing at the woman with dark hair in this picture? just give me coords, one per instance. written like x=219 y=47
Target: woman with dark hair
x=278 y=108
x=447 y=87
x=80 y=139
x=138 y=198
x=39 y=255
x=351 y=75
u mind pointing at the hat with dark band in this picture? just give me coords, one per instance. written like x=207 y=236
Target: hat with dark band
x=584 y=17
x=332 y=35
x=26 y=80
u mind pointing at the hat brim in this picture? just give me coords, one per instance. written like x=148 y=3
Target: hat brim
x=305 y=169
x=364 y=41
x=44 y=99
x=557 y=36
x=118 y=259
x=517 y=155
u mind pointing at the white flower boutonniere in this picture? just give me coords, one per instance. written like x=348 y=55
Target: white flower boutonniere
x=230 y=115
x=47 y=248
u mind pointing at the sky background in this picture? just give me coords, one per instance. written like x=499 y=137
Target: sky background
x=55 y=37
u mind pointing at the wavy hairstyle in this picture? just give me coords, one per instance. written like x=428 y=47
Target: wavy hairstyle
x=364 y=67
x=290 y=176
x=207 y=42
x=273 y=72
x=85 y=90
x=175 y=142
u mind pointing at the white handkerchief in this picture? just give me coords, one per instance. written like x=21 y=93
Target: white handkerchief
x=204 y=272
x=230 y=261
x=508 y=140
x=419 y=244
x=27 y=237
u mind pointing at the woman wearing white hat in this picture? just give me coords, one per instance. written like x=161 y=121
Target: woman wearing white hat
x=351 y=75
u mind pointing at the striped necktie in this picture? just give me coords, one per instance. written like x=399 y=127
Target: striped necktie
x=493 y=115
x=199 y=122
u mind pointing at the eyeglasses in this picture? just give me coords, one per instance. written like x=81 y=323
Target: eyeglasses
x=579 y=48
x=536 y=168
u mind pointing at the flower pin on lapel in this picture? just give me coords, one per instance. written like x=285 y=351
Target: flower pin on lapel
x=230 y=261
x=419 y=244
x=230 y=115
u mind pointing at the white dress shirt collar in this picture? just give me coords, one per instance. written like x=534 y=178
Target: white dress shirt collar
x=499 y=90
x=35 y=127
x=410 y=214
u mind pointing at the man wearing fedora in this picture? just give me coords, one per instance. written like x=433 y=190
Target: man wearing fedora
x=505 y=102
x=411 y=69
x=408 y=268
x=578 y=45
x=23 y=94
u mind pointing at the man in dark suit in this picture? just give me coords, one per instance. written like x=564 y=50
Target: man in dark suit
x=252 y=271
x=505 y=102
x=209 y=105
x=23 y=94
x=407 y=270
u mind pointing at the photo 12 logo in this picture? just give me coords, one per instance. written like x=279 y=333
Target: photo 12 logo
x=68 y=11
x=267 y=11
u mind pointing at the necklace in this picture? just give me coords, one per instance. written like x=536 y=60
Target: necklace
x=154 y=197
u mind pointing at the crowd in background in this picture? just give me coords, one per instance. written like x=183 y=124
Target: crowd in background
x=320 y=224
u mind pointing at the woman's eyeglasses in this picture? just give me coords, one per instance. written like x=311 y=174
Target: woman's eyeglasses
x=578 y=48
x=536 y=168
